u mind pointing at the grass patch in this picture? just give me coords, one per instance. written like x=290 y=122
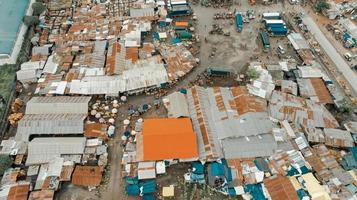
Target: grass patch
x=7 y=77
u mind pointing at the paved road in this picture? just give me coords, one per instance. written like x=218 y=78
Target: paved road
x=330 y=50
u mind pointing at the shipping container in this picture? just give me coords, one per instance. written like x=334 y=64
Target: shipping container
x=274 y=21
x=265 y=40
x=184 y=35
x=271 y=15
x=218 y=72
x=239 y=22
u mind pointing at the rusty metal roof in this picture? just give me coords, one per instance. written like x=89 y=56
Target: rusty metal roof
x=42 y=195
x=19 y=191
x=280 y=187
x=96 y=130
x=87 y=175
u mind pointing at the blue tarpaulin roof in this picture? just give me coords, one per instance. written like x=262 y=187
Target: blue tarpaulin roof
x=255 y=190
x=132 y=189
x=132 y=180
x=148 y=197
x=198 y=168
x=232 y=192
x=217 y=169
x=301 y=194
x=175 y=40
x=147 y=187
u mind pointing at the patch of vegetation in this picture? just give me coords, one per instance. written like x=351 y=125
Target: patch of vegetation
x=7 y=77
x=31 y=21
x=321 y=6
x=5 y=163
x=38 y=8
x=252 y=74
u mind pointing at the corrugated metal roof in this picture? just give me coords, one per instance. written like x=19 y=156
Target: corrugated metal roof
x=19 y=191
x=300 y=111
x=176 y=105
x=41 y=150
x=27 y=76
x=146 y=170
x=87 y=175
x=288 y=86
x=351 y=127
x=143 y=74
x=338 y=138
x=58 y=105
x=314 y=89
x=223 y=117
x=51 y=66
x=96 y=130
x=55 y=166
x=42 y=195
x=49 y=124
x=280 y=187
x=298 y=41
x=142 y=12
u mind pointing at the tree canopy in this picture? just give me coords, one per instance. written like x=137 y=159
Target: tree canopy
x=31 y=20
x=321 y=6
x=5 y=163
x=252 y=74
x=38 y=8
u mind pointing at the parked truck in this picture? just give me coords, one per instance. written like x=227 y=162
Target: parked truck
x=239 y=22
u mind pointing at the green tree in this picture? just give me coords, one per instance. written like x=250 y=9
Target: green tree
x=322 y=6
x=5 y=163
x=31 y=21
x=346 y=106
x=38 y=8
x=252 y=74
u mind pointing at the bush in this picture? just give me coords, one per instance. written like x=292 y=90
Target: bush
x=5 y=163
x=321 y=6
x=252 y=74
x=31 y=21
x=38 y=8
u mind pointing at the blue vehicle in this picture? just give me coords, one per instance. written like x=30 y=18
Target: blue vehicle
x=239 y=22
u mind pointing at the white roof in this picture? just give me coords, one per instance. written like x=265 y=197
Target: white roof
x=49 y=124
x=33 y=65
x=274 y=21
x=51 y=66
x=42 y=150
x=146 y=170
x=26 y=76
x=309 y=72
x=55 y=166
x=142 y=12
x=271 y=14
x=139 y=76
x=58 y=105
x=298 y=41
x=176 y=105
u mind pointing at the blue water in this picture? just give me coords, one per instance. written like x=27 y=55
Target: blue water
x=11 y=14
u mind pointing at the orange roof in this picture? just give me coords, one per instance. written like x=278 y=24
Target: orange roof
x=87 y=175
x=181 y=24
x=19 y=192
x=280 y=187
x=168 y=139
